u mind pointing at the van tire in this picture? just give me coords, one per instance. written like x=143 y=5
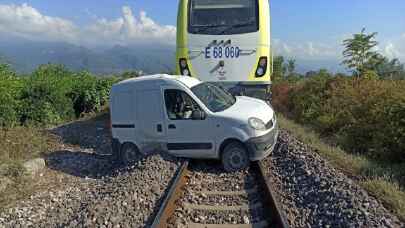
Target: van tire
x=129 y=154
x=235 y=157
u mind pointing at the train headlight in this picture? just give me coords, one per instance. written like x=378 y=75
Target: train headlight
x=183 y=63
x=260 y=71
x=261 y=67
x=263 y=62
x=184 y=70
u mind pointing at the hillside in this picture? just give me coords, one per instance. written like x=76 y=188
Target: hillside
x=25 y=56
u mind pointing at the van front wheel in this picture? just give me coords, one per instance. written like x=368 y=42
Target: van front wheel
x=129 y=154
x=235 y=157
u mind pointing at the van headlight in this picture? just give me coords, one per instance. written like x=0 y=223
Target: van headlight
x=257 y=124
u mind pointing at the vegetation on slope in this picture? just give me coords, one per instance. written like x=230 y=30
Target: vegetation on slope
x=28 y=104
x=359 y=117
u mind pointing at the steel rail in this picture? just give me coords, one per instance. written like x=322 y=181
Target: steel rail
x=169 y=205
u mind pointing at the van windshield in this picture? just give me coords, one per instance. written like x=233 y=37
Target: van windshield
x=215 y=98
x=223 y=17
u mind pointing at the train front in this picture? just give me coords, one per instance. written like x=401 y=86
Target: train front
x=226 y=42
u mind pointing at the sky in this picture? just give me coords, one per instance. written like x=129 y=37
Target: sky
x=310 y=29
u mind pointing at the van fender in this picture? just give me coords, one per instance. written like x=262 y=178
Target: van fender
x=237 y=134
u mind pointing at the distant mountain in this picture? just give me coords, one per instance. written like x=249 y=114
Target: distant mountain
x=332 y=65
x=25 y=56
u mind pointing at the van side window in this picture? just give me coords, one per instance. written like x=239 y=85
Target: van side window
x=179 y=105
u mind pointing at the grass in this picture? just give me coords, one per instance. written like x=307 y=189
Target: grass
x=18 y=145
x=21 y=144
x=385 y=181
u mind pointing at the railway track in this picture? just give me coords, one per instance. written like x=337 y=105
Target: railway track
x=203 y=196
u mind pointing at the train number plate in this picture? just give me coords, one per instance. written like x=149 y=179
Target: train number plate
x=229 y=52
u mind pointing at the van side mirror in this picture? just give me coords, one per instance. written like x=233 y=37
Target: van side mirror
x=198 y=115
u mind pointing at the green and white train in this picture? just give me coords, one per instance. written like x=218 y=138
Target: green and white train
x=226 y=42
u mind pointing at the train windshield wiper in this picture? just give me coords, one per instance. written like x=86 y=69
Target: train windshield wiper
x=236 y=26
x=203 y=28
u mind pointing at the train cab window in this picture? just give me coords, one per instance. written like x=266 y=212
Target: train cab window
x=223 y=17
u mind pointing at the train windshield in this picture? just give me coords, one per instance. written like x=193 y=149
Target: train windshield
x=223 y=17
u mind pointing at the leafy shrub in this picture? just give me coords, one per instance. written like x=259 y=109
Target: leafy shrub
x=90 y=94
x=45 y=95
x=308 y=98
x=10 y=92
x=281 y=92
x=84 y=94
x=50 y=95
x=366 y=116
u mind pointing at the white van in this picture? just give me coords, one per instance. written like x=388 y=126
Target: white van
x=189 y=118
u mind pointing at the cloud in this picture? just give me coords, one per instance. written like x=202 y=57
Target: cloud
x=393 y=48
x=391 y=51
x=27 y=22
x=307 y=50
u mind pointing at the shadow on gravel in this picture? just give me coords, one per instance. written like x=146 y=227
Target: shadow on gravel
x=207 y=166
x=86 y=148
x=90 y=133
x=81 y=164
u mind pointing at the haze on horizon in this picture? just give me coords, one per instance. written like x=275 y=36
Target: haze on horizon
x=310 y=31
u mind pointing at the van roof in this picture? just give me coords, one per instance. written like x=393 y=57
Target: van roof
x=185 y=80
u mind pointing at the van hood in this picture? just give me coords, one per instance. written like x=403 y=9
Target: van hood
x=246 y=107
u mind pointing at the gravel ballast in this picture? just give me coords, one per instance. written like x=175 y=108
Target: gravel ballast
x=89 y=190
x=94 y=191
x=209 y=177
x=314 y=194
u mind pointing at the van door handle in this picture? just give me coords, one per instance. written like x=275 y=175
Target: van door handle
x=159 y=128
x=172 y=126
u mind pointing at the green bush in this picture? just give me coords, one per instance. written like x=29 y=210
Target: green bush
x=10 y=92
x=45 y=97
x=308 y=98
x=365 y=116
x=90 y=94
x=281 y=92
x=50 y=95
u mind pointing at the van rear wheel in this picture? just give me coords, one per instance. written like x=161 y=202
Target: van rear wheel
x=235 y=157
x=130 y=154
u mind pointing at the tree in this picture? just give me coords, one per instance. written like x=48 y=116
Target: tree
x=389 y=69
x=311 y=74
x=131 y=74
x=278 y=68
x=10 y=92
x=291 y=66
x=359 y=52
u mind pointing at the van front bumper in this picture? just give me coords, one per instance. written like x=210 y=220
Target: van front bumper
x=261 y=147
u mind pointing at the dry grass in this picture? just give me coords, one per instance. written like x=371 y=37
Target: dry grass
x=17 y=146
x=382 y=180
